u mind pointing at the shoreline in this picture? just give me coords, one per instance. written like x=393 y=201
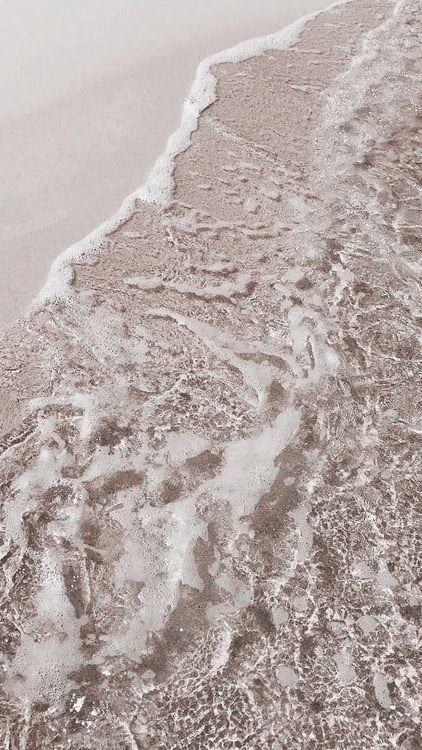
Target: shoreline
x=195 y=102
x=158 y=186
x=208 y=450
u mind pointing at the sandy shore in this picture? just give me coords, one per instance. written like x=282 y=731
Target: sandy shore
x=209 y=458
x=89 y=98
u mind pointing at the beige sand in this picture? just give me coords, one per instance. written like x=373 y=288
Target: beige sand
x=210 y=449
x=89 y=98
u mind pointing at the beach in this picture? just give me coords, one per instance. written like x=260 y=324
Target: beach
x=90 y=93
x=209 y=446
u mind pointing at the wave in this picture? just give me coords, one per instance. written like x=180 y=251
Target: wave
x=159 y=184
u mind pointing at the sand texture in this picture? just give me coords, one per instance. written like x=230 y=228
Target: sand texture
x=210 y=449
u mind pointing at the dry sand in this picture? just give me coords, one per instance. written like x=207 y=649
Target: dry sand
x=90 y=93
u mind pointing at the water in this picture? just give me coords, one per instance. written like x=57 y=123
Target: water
x=209 y=453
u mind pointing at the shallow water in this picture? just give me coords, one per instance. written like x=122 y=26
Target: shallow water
x=208 y=449
x=90 y=92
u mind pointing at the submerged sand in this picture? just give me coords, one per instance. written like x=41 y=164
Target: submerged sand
x=210 y=466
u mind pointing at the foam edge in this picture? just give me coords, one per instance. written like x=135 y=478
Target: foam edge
x=158 y=187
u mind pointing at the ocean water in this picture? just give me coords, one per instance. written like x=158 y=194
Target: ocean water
x=90 y=93
x=209 y=448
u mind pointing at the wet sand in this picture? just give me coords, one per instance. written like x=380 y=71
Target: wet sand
x=209 y=448
x=90 y=94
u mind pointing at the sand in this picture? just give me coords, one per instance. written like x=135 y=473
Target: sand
x=210 y=462
x=90 y=93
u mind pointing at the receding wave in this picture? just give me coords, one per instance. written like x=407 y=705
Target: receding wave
x=209 y=445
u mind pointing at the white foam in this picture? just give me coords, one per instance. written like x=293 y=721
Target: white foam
x=250 y=464
x=158 y=187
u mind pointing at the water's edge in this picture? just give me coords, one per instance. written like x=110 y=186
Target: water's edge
x=158 y=186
